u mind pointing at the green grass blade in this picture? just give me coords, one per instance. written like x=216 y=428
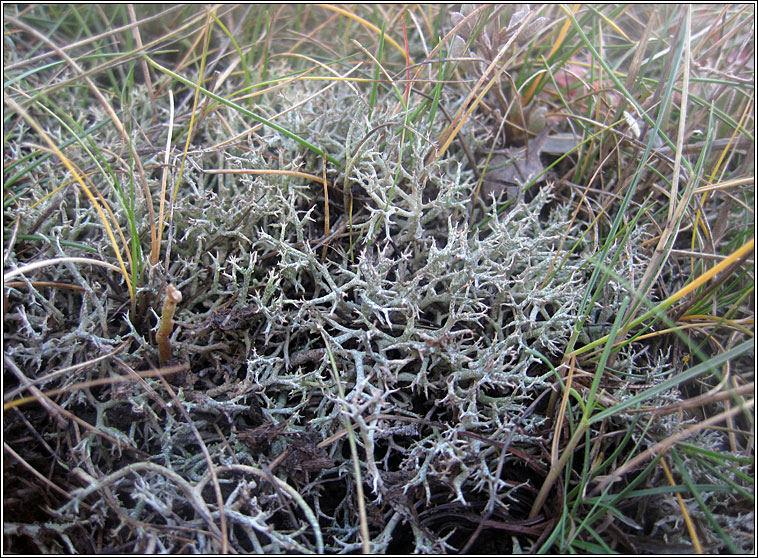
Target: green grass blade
x=244 y=111
x=688 y=374
x=375 y=85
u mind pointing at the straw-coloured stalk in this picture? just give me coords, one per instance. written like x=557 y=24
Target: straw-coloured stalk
x=173 y=297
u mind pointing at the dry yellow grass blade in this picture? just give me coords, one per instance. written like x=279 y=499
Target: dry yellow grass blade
x=726 y=185
x=195 y=100
x=685 y=514
x=555 y=448
x=58 y=189
x=610 y=22
x=738 y=254
x=732 y=140
x=741 y=252
x=298 y=174
x=335 y=74
x=110 y=213
x=363 y=22
x=54 y=148
x=485 y=83
x=558 y=42
x=111 y=113
x=326 y=208
x=165 y=371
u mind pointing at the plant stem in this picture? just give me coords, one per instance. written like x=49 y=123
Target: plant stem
x=173 y=297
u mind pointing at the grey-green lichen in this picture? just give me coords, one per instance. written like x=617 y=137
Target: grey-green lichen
x=429 y=317
x=439 y=325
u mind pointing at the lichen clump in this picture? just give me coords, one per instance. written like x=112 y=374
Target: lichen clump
x=382 y=346
x=436 y=325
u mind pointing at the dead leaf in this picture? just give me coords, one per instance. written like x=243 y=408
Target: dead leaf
x=512 y=169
